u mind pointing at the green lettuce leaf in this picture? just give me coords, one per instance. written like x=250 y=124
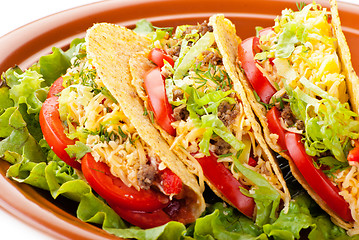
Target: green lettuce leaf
x=54 y=65
x=299 y=217
x=226 y=223
x=29 y=91
x=78 y=150
x=5 y=100
x=18 y=143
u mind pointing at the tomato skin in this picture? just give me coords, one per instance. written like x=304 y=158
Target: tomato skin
x=115 y=192
x=55 y=88
x=259 y=82
x=157 y=56
x=51 y=127
x=252 y=162
x=353 y=155
x=317 y=180
x=143 y=220
x=170 y=182
x=273 y=120
x=224 y=181
x=158 y=102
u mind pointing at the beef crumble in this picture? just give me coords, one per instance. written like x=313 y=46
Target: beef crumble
x=288 y=116
x=210 y=57
x=227 y=112
x=145 y=176
x=221 y=147
x=180 y=113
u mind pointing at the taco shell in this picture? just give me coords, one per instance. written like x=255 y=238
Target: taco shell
x=227 y=42
x=352 y=83
x=110 y=47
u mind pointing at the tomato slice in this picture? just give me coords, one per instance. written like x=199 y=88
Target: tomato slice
x=55 y=88
x=259 y=82
x=273 y=120
x=143 y=220
x=224 y=181
x=53 y=131
x=115 y=192
x=317 y=180
x=158 y=102
x=157 y=56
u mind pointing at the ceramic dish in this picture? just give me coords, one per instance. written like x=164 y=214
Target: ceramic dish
x=25 y=45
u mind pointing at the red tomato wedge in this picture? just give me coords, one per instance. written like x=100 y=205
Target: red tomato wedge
x=316 y=179
x=353 y=155
x=273 y=120
x=53 y=131
x=170 y=182
x=143 y=220
x=161 y=108
x=55 y=88
x=157 y=56
x=259 y=82
x=224 y=181
x=116 y=193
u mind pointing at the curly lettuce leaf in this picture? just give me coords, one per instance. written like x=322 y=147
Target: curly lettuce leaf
x=299 y=216
x=18 y=143
x=29 y=91
x=54 y=65
x=225 y=222
x=5 y=100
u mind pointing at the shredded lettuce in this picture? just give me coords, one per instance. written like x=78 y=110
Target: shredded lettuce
x=203 y=108
x=266 y=197
x=190 y=57
x=292 y=34
x=329 y=124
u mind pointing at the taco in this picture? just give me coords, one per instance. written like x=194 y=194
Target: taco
x=188 y=82
x=301 y=84
x=88 y=126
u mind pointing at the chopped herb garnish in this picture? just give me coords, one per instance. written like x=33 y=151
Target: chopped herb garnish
x=151 y=116
x=300 y=5
x=213 y=73
x=122 y=134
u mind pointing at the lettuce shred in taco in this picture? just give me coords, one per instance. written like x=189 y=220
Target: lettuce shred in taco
x=302 y=87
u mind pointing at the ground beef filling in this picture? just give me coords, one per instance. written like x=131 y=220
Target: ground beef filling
x=220 y=147
x=227 y=112
x=202 y=28
x=288 y=116
x=146 y=175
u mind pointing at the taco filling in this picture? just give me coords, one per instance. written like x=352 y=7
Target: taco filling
x=102 y=142
x=190 y=97
x=300 y=95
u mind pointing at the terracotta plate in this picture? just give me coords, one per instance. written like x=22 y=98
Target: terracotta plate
x=25 y=45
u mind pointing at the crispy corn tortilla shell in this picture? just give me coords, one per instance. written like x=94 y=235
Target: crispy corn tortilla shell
x=110 y=47
x=227 y=42
x=352 y=83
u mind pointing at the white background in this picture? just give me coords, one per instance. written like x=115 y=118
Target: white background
x=14 y=14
